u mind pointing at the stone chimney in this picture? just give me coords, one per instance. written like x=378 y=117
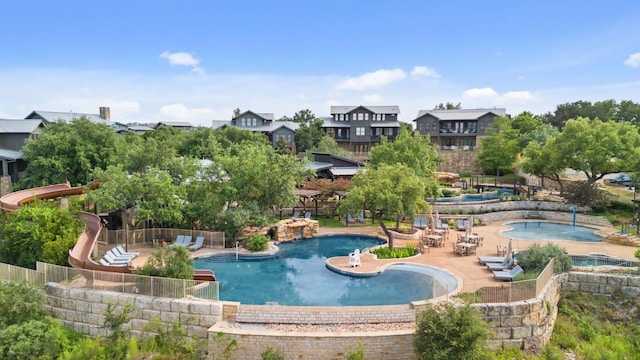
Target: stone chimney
x=105 y=113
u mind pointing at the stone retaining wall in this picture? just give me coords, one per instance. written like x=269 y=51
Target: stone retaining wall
x=274 y=314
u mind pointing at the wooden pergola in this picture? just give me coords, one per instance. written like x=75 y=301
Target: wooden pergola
x=305 y=195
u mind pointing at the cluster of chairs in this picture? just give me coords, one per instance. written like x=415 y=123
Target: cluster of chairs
x=503 y=268
x=471 y=238
x=118 y=256
x=296 y=214
x=185 y=240
x=420 y=222
x=351 y=220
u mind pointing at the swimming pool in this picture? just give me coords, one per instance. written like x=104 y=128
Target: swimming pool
x=602 y=260
x=545 y=230
x=297 y=275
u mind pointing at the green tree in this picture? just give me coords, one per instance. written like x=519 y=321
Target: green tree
x=448 y=332
x=304 y=116
x=389 y=191
x=536 y=257
x=597 y=148
x=309 y=135
x=412 y=150
x=236 y=113
x=542 y=161
x=69 y=152
x=448 y=106
x=170 y=262
x=42 y=339
x=40 y=232
x=327 y=145
x=20 y=303
x=499 y=149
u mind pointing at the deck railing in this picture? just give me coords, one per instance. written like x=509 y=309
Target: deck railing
x=212 y=239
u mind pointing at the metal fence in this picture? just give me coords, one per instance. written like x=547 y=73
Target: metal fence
x=103 y=280
x=506 y=292
x=212 y=239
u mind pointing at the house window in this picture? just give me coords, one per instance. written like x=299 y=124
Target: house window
x=359 y=131
x=360 y=116
x=382 y=117
x=253 y=122
x=243 y=122
x=366 y=116
x=379 y=131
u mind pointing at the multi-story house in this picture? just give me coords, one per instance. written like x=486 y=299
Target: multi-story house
x=264 y=123
x=13 y=135
x=457 y=129
x=358 y=128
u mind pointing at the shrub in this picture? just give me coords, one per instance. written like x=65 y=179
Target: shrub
x=272 y=354
x=395 y=253
x=356 y=353
x=448 y=332
x=583 y=193
x=169 y=261
x=536 y=257
x=258 y=242
x=449 y=193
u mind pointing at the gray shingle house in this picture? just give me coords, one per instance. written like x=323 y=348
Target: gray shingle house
x=456 y=129
x=14 y=133
x=358 y=128
x=265 y=123
x=103 y=117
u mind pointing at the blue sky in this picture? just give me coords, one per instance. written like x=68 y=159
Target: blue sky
x=196 y=61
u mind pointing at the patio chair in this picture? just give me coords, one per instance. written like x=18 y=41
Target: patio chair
x=296 y=214
x=361 y=218
x=179 y=240
x=115 y=255
x=490 y=259
x=442 y=225
x=198 y=244
x=508 y=275
x=113 y=261
x=501 y=250
x=187 y=241
x=350 y=219
x=507 y=264
x=461 y=225
x=121 y=250
x=424 y=222
x=417 y=223
x=307 y=215
x=104 y=262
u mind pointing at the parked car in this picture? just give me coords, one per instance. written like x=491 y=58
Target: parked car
x=622 y=179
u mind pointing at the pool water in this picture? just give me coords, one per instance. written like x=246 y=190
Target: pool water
x=602 y=260
x=544 y=230
x=297 y=275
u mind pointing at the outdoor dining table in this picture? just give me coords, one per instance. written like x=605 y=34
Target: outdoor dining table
x=435 y=240
x=469 y=248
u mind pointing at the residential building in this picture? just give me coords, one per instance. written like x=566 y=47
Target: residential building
x=457 y=129
x=103 y=117
x=14 y=133
x=330 y=166
x=358 y=128
x=180 y=125
x=265 y=123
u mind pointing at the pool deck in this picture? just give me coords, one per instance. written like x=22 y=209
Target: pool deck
x=465 y=268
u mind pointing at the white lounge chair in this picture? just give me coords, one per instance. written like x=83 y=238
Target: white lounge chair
x=179 y=241
x=508 y=275
x=186 y=241
x=350 y=219
x=505 y=265
x=307 y=215
x=296 y=214
x=490 y=259
x=198 y=244
x=105 y=263
x=121 y=250
x=114 y=261
x=115 y=255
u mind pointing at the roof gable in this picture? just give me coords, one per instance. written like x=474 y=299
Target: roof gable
x=461 y=114
x=67 y=117
x=264 y=116
x=19 y=126
x=374 y=109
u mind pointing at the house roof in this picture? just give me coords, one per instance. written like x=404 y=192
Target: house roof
x=266 y=116
x=139 y=128
x=293 y=126
x=217 y=124
x=19 y=126
x=318 y=165
x=344 y=171
x=375 y=109
x=8 y=154
x=461 y=114
x=55 y=116
x=176 y=124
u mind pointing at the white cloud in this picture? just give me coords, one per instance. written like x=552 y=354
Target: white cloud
x=373 y=80
x=372 y=98
x=424 y=71
x=180 y=112
x=182 y=59
x=633 y=60
x=480 y=93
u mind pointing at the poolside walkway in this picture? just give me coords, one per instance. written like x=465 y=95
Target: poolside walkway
x=465 y=268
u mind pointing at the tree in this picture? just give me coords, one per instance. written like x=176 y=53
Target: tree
x=236 y=113
x=304 y=116
x=412 y=150
x=596 y=147
x=169 y=261
x=448 y=106
x=20 y=303
x=282 y=146
x=499 y=149
x=309 y=135
x=606 y=110
x=448 y=332
x=40 y=232
x=542 y=161
x=389 y=191
x=68 y=152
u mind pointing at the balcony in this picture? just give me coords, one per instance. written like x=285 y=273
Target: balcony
x=458 y=132
x=458 y=148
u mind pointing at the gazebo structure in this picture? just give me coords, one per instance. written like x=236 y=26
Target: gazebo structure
x=305 y=195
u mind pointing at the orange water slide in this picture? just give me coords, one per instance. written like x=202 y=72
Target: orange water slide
x=80 y=255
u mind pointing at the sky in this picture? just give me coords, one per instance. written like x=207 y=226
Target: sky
x=196 y=61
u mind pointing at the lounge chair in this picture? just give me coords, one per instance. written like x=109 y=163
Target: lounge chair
x=424 y=222
x=121 y=250
x=116 y=255
x=354 y=258
x=296 y=214
x=104 y=262
x=350 y=219
x=508 y=275
x=417 y=223
x=198 y=244
x=307 y=215
x=490 y=259
x=462 y=225
x=441 y=225
x=179 y=240
x=507 y=264
x=186 y=241
x=114 y=261
x=361 y=218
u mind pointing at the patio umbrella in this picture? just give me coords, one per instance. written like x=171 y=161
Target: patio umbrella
x=469 y=224
x=432 y=221
x=509 y=250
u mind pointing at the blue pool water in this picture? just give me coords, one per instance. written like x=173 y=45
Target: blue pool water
x=297 y=275
x=601 y=260
x=543 y=230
